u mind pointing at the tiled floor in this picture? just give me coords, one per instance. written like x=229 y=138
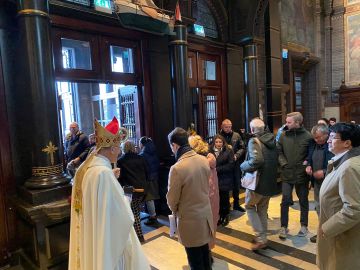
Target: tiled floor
x=232 y=250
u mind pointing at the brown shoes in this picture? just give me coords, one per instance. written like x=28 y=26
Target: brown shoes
x=258 y=245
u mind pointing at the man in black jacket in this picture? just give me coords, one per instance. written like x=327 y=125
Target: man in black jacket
x=76 y=146
x=234 y=140
x=317 y=161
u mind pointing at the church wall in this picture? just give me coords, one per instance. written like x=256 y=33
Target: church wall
x=337 y=49
x=311 y=97
x=297 y=23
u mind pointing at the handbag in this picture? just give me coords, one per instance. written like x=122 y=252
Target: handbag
x=250 y=179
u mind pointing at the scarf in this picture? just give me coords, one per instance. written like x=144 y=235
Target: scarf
x=182 y=150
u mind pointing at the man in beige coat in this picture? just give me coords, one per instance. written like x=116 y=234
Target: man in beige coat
x=339 y=224
x=188 y=199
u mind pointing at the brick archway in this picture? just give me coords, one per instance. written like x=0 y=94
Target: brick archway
x=221 y=18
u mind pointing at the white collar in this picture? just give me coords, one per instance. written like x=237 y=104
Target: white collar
x=338 y=156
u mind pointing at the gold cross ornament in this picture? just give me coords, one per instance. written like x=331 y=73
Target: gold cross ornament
x=50 y=149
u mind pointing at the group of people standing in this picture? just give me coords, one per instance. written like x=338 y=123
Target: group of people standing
x=199 y=187
x=327 y=159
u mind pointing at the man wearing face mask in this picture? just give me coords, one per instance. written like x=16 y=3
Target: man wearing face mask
x=188 y=199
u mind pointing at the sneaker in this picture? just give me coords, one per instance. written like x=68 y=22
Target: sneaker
x=313 y=239
x=283 y=233
x=303 y=231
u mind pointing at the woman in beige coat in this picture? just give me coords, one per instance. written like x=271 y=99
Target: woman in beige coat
x=339 y=223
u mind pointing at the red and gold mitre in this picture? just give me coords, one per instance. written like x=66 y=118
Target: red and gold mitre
x=107 y=136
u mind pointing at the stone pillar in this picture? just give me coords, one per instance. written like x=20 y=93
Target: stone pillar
x=181 y=97
x=37 y=71
x=274 y=71
x=250 y=83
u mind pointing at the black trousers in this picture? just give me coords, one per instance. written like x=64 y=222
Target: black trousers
x=199 y=257
x=302 y=191
x=224 y=203
x=236 y=183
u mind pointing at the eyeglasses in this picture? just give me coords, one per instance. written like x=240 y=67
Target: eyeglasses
x=334 y=138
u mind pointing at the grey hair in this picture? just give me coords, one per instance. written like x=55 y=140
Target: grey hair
x=257 y=125
x=320 y=128
x=297 y=116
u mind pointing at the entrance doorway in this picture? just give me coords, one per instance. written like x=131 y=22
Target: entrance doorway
x=205 y=76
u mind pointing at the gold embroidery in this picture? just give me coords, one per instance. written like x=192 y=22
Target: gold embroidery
x=47 y=171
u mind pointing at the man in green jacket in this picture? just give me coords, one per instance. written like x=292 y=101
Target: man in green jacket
x=292 y=149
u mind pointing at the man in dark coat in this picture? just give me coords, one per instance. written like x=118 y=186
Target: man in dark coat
x=76 y=146
x=292 y=148
x=234 y=140
x=317 y=161
x=261 y=156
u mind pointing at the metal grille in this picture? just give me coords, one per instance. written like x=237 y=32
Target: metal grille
x=211 y=119
x=127 y=114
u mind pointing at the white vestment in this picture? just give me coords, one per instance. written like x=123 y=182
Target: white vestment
x=102 y=236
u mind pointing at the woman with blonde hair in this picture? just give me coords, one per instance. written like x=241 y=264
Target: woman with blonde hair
x=202 y=148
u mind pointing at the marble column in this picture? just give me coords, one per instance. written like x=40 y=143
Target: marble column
x=40 y=94
x=181 y=97
x=250 y=83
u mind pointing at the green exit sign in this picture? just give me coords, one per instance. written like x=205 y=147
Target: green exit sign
x=103 y=5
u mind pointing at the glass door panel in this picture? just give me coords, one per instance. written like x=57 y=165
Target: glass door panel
x=82 y=102
x=210 y=107
x=121 y=59
x=76 y=54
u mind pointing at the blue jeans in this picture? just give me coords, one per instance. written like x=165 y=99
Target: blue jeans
x=302 y=191
x=150 y=205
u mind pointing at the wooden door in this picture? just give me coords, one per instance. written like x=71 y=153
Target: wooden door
x=206 y=81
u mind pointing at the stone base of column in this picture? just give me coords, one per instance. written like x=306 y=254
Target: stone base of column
x=40 y=196
x=46 y=182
